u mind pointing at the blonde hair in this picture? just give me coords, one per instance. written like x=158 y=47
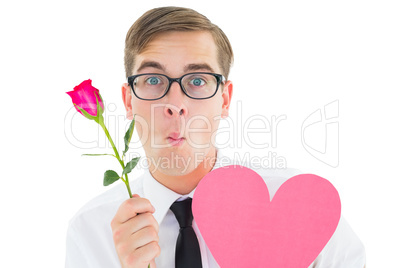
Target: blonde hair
x=165 y=19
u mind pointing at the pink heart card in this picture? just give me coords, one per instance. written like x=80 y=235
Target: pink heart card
x=242 y=227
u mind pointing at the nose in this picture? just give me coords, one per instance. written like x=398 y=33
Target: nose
x=175 y=106
x=173 y=111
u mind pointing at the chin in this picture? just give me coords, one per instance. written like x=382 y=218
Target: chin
x=175 y=165
x=176 y=162
x=177 y=171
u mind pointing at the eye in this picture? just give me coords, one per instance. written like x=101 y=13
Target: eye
x=153 y=80
x=198 y=82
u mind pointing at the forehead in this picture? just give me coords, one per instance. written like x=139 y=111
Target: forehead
x=174 y=51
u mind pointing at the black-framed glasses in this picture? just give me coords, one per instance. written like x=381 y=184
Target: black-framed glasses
x=153 y=86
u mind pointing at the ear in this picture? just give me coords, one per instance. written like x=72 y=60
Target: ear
x=126 y=94
x=227 y=97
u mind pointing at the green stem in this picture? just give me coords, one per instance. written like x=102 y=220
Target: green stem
x=128 y=186
x=126 y=182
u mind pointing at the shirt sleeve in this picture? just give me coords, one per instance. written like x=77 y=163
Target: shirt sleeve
x=75 y=257
x=344 y=249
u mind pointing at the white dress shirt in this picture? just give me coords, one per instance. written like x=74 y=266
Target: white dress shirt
x=90 y=242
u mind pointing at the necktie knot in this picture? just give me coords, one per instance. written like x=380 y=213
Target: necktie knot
x=183 y=213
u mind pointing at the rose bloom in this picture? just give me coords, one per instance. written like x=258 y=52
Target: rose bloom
x=84 y=95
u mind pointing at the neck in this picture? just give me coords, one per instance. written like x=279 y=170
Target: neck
x=184 y=184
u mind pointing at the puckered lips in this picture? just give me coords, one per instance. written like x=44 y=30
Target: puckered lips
x=175 y=139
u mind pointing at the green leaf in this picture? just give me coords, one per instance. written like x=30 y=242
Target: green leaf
x=130 y=165
x=110 y=177
x=127 y=137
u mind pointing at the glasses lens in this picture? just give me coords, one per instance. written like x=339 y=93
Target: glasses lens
x=150 y=86
x=199 y=85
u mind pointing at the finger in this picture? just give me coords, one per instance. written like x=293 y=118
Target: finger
x=130 y=208
x=143 y=237
x=135 y=242
x=123 y=231
x=148 y=253
x=144 y=220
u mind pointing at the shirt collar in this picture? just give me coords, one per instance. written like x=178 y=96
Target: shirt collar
x=162 y=197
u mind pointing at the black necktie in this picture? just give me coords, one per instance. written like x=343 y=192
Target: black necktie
x=187 y=248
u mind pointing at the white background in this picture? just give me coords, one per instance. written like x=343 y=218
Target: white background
x=291 y=58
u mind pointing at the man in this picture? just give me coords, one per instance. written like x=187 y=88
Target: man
x=176 y=120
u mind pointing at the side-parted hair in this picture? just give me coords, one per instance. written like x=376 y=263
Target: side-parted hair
x=166 y=19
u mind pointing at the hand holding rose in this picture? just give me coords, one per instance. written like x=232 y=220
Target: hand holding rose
x=135 y=233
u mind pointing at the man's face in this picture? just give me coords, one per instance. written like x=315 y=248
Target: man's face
x=177 y=132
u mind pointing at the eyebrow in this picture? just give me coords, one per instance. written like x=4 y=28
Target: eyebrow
x=197 y=67
x=152 y=64
x=187 y=68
